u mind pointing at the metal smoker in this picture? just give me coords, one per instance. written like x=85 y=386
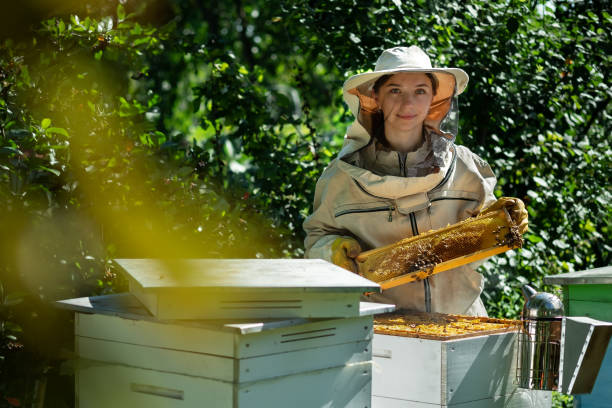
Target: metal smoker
x=539 y=341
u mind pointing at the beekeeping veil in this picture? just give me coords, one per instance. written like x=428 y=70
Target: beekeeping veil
x=442 y=119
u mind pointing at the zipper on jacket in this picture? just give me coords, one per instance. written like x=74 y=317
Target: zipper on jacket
x=389 y=208
x=402 y=163
x=426 y=286
x=413 y=224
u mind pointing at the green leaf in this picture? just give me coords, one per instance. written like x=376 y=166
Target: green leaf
x=45 y=123
x=140 y=41
x=6 y=150
x=560 y=244
x=52 y=171
x=533 y=238
x=14 y=298
x=540 y=181
x=184 y=171
x=120 y=12
x=58 y=130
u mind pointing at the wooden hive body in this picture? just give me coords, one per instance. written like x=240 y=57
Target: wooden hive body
x=153 y=363
x=476 y=372
x=589 y=293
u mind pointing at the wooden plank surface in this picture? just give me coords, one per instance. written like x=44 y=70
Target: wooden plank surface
x=601 y=395
x=591 y=276
x=303 y=360
x=125 y=305
x=211 y=340
x=476 y=372
x=169 y=360
x=121 y=304
x=103 y=386
x=219 y=367
x=348 y=386
x=589 y=292
x=244 y=274
x=155 y=334
x=369 y=308
x=594 y=310
x=519 y=399
x=407 y=369
x=478 y=368
x=262 y=304
x=316 y=334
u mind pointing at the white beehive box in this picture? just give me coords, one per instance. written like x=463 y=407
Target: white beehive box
x=474 y=372
x=245 y=288
x=129 y=358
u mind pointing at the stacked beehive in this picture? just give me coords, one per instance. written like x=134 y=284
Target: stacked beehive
x=589 y=293
x=227 y=333
x=436 y=360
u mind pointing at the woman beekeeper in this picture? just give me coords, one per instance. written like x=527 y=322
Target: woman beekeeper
x=399 y=174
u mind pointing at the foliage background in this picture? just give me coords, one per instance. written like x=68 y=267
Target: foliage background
x=198 y=128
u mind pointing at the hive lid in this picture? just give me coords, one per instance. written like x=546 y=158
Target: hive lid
x=302 y=275
x=585 y=342
x=602 y=276
x=127 y=306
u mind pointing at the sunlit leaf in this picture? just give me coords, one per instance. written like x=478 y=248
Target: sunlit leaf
x=57 y=130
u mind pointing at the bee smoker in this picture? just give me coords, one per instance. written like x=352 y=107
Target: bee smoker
x=539 y=341
x=557 y=352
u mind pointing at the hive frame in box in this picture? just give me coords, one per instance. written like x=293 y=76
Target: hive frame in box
x=475 y=372
x=182 y=363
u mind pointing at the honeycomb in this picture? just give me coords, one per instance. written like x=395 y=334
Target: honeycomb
x=440 y=326
x=420 y=254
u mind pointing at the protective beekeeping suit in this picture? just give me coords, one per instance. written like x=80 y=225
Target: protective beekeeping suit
x=399 y=174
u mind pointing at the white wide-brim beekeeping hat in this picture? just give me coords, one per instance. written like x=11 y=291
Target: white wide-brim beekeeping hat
x=357 y=90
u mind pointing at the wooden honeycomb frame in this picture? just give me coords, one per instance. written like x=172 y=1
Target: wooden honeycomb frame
x=416 y=258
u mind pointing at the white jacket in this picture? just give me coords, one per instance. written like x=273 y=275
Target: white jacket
x=382 y=206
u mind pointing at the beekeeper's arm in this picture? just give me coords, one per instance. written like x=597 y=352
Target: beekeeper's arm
x=324 y=239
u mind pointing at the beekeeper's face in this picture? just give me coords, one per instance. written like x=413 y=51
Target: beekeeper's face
x=404 y=100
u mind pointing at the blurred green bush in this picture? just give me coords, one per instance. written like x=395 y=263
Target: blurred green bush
x=169 y=128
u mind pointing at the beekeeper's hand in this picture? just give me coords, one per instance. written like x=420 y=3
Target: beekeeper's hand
x=515 y=208
x=344 y=252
